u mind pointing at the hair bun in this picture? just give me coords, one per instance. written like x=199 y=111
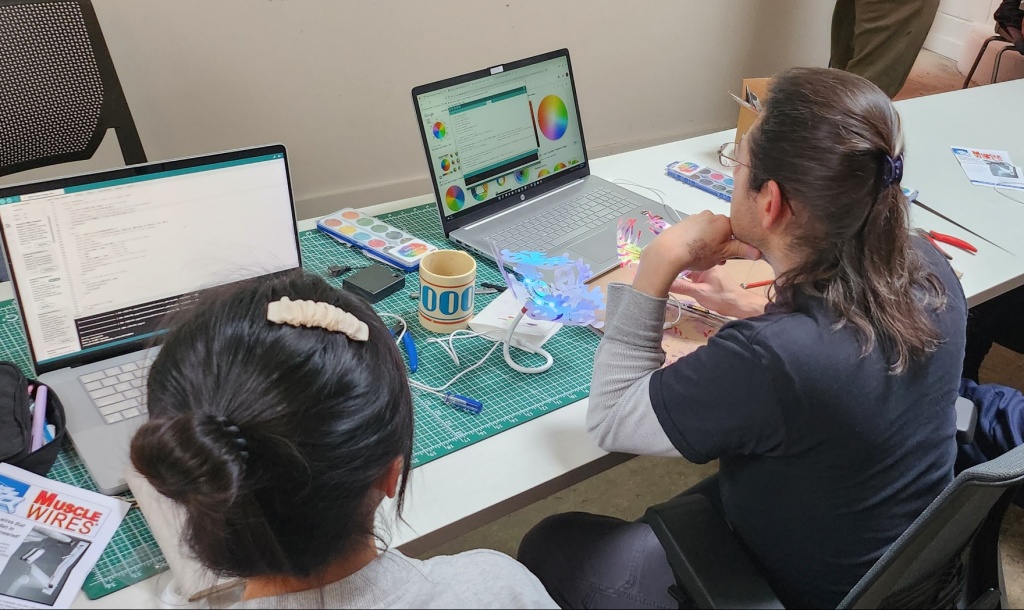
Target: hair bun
x=192 y=460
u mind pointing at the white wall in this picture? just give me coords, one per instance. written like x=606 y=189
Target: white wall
x=950 y=30
x=331 y=79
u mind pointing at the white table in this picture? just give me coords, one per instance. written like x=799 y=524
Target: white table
x=982 y=117
x=989 y=273
x=475 y=485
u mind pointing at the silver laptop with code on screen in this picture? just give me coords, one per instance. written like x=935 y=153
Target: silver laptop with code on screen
x=98 y=260
x=509 y=164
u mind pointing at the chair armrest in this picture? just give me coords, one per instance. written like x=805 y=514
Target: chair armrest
x=966 y=420
x=708 y=561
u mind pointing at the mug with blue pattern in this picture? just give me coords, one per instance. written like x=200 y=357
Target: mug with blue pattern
x=447 y=280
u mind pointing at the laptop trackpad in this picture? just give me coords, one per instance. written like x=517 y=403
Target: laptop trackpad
x=595 y=247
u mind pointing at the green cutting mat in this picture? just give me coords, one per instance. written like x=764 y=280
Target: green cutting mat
x=509 y=398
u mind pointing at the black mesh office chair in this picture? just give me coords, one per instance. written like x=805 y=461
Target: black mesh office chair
x=948 y=558
x=59 y=92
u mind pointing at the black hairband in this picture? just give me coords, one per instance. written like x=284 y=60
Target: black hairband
x=236 y=434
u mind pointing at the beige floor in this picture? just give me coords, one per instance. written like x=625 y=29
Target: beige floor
x=627 y=490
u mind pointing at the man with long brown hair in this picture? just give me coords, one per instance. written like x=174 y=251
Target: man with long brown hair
x=830 y=408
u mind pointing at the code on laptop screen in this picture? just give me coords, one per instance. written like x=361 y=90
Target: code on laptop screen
x=101 y=263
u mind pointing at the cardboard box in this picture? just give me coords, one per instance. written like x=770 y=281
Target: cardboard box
x=759 y=86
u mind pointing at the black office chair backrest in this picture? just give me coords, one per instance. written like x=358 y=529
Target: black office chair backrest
x=950 y=553
x=59 y=92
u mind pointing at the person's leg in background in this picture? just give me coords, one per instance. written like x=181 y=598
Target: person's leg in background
x=887 y=37
x=595 y=561
x=844 y=16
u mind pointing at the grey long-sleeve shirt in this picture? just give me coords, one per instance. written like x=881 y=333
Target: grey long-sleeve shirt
x=620 y=416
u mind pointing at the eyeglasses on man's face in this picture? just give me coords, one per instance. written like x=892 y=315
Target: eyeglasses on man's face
x=728 y=155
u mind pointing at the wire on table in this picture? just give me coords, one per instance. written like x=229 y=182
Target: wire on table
x=464 y=403
x=509 y=341
x=405 y=326
x=1014 y=199
x=460 y=373
x=679 y=312
x=660 y=194
x=446 y=343
x=449 y=348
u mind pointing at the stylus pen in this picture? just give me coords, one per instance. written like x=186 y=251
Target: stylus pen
x=39 y=418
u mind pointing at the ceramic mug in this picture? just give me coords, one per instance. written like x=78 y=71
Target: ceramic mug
x=447 y=286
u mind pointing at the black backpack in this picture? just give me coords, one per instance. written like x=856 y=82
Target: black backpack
x=16 y=423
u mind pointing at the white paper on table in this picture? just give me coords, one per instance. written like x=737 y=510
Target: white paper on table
x=992 y=168
x=51 y=535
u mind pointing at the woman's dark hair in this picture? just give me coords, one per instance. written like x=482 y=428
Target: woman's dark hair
x=272 y=436
x=830 y=139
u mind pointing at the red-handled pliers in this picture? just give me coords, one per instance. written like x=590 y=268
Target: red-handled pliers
x=934 y=237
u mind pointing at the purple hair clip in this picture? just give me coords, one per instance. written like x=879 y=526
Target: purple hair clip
x=892 y=171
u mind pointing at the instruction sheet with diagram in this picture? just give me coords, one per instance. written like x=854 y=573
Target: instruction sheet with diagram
x=989 y=167
x=51 y=536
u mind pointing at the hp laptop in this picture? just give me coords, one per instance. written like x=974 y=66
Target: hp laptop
x=96 y=261
x=509 y=163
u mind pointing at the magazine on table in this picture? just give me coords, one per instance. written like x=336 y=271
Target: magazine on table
x=989 y=167
x=51 y=535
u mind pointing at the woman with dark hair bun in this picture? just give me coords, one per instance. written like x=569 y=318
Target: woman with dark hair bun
x=280 y=418
x=830 y=407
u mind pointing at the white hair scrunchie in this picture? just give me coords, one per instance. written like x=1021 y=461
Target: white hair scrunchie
x=315 y=314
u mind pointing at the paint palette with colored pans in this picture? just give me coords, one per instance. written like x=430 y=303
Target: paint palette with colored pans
x=709 y=180
x=376 y=238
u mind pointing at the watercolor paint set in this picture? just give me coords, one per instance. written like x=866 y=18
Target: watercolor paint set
x=720 y=184
x=709 y=180
x=376 y=238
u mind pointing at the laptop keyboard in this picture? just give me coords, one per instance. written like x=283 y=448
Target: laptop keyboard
x=119 y=392
x=573 y=219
